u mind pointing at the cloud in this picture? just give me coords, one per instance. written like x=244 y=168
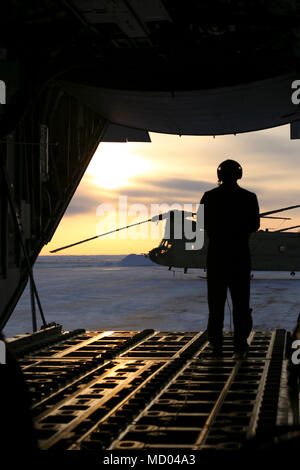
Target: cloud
x=179 y=190
x=85 y=203
x=270 y=147
x=273 y=200
x=169 y=191
x=186 y=185
x=169 y=187
x=270 y=160
x=148 y=191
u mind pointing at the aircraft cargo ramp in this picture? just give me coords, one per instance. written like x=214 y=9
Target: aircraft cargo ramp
x=95 y=390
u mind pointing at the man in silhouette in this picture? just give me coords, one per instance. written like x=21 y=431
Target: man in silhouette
x=231 y=213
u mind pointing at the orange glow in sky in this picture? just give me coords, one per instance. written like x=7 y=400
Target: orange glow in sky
x=174 y=169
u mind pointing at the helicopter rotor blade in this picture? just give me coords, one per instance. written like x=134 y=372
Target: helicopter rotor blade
x=153 y=219
x=270 y=217
x=165 y=215
x=157 y=218
x=263 y=214
x=287 y=228
x=98 y=236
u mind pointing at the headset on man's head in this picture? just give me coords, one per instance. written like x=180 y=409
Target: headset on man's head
x=229 y=168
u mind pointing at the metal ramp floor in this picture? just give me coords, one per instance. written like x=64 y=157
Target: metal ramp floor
x=95 y=390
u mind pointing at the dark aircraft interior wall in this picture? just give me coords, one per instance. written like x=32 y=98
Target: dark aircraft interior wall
x=52 y=146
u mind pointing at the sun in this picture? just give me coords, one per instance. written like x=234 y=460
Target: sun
x=113 y=165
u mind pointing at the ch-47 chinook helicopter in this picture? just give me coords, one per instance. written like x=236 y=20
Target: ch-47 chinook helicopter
x=277 y=250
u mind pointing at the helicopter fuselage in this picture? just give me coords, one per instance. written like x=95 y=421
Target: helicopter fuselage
x=270 y=251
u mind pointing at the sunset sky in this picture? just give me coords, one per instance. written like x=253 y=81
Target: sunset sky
x=173 y=169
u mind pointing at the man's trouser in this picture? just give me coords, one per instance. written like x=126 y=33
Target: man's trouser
x=238 y=283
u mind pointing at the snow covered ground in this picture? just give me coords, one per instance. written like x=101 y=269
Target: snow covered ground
x=106 y=293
